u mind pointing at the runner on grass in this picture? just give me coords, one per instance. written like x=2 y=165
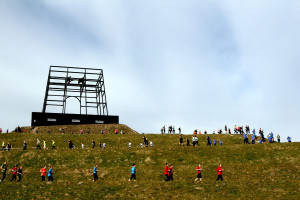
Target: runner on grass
x=93 y=144
x=14 y=173
x=24 y=145
x=95 y=171
x=3 y=145
x=199 y=169
x=20 y=171
x=3 y=170
x=38 y=144
x=133 y=172
x=219 y=172
x=43 y=172
x=45 y=144
x=171 y=171
x=50 y=174
x=166 y=172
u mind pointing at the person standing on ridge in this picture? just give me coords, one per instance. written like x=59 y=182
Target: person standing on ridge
x=278 y=138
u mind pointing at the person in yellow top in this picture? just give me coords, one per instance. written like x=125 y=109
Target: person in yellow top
x=3 y=145
x=44 y=144
x=53 y=144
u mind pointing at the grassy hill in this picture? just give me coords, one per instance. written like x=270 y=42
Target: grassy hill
x=260 y=171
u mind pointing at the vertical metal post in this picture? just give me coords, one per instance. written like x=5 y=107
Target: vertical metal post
x=84 y=82
x=65 y=93
x=47 y=90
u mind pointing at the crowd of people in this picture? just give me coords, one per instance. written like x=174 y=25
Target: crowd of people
x=16 y=171
x=168 y=172
x=171 y=129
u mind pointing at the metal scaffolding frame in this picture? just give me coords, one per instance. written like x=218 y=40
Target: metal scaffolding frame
x=84 y=84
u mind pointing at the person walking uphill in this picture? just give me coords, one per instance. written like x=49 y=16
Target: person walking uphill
x=43 y=172
x=95 y=171
x=171 y=171
x=166 y=172
x=220 y=170
x=38 y=144
x=53 y=144
x=4 y=169
x=50 y=174
x=199 y=169
x=20 y=171
x=133 y=172
x=14 y=173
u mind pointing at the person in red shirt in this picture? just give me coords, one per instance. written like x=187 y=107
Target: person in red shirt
x=166 y=172
x=220 y=170
x=14 y=173
x=43 y=172
x=199 y=169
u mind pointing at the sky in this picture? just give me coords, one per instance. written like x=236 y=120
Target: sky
x=195 y=64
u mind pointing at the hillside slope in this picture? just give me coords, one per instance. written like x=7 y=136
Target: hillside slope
x=92 y=128
x=259 y=171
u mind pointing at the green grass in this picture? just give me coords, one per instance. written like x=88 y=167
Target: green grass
x=260 y=171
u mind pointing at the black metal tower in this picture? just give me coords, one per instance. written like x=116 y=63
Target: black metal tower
x=84 y=84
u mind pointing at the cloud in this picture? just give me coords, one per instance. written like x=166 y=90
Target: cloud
x=192 y=64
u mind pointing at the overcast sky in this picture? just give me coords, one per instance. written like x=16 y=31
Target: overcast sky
x=194 y=64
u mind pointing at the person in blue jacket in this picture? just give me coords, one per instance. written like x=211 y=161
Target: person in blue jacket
x=95 y=171
x=246 y=139
x=253 y=139
x=133 y=172
x=215 y=142
x=289 y=139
